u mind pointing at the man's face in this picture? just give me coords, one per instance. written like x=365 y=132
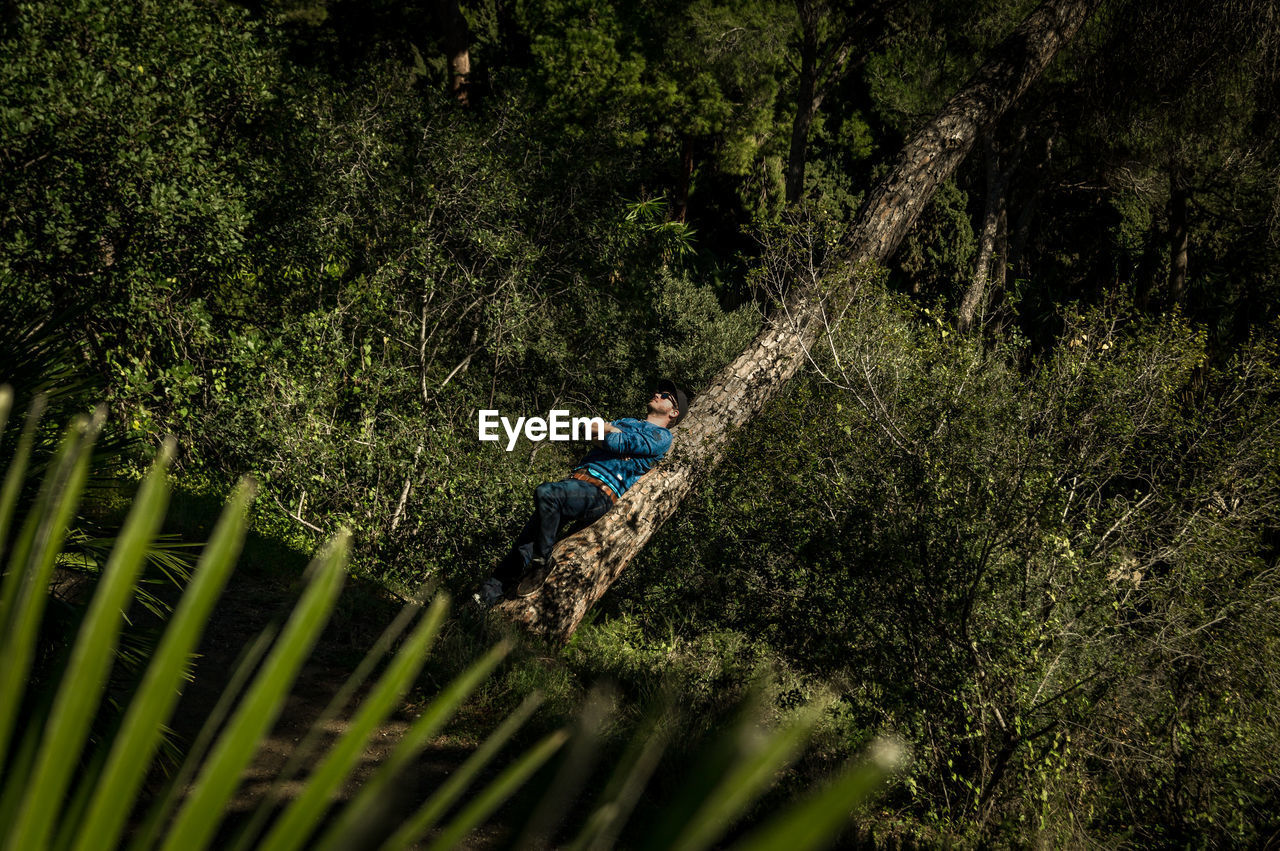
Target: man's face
x=662 y=402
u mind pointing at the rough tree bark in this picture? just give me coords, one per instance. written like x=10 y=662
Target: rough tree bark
x=991 y=251
x=456 y=40
x=587 y=563
x=1178 y=196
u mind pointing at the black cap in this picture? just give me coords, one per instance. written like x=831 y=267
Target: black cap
x=666 y=385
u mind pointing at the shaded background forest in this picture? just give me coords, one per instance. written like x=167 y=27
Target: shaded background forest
x=1022 y=509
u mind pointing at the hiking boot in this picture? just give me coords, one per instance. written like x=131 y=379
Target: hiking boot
x=490 y=593
x=534 y=577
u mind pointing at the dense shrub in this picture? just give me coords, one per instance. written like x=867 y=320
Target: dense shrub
x=1044 y=572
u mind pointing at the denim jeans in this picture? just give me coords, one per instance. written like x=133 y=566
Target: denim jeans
x=555 y=503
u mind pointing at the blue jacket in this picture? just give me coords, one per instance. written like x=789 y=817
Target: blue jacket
x=627 y=455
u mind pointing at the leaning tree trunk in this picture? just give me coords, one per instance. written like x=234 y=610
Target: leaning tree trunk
x=588 y=562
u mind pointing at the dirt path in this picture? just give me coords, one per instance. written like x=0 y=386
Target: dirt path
x=250 y=603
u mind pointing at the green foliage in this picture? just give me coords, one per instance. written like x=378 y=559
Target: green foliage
x=1044 y=557
x=660 y=71
x=696 y=334
x=989 y=549
x=397 y=264
x=939 y=46
x=39 y=812
x=128 y=177
x=937 y=256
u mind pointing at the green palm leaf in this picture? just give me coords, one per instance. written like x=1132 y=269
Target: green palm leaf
x=31 y=564
x=86 y=675
x=134 y=747
x=194 y=825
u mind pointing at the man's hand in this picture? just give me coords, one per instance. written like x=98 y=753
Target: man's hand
x=604 y=428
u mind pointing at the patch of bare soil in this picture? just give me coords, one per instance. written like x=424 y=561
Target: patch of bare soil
x=250 y=603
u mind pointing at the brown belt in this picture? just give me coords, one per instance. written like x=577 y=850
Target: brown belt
x=583 y=476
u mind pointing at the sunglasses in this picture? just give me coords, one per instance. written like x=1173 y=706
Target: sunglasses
x=662 y=394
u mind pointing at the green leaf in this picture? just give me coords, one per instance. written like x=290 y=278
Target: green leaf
x=202 y=810
x=90 y=662
x=135 y=745
x=627 y=783
x=6 y=404
x=816 y=820
x=351 y=821
x=760 y=756
x=498 y=791
x=31 y=565
x=13 y=480
x=316 y=734
x=149 y=833
x=430 y=812
x=304 y=814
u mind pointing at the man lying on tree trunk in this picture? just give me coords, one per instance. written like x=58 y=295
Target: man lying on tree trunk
x=625 y=450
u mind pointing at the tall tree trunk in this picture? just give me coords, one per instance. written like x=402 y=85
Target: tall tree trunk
x=588 y=562
x=993 y=219
x=999 y=270
x=822 y=62
x=1178 y=196
x=807 y=102
x=456 y=40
